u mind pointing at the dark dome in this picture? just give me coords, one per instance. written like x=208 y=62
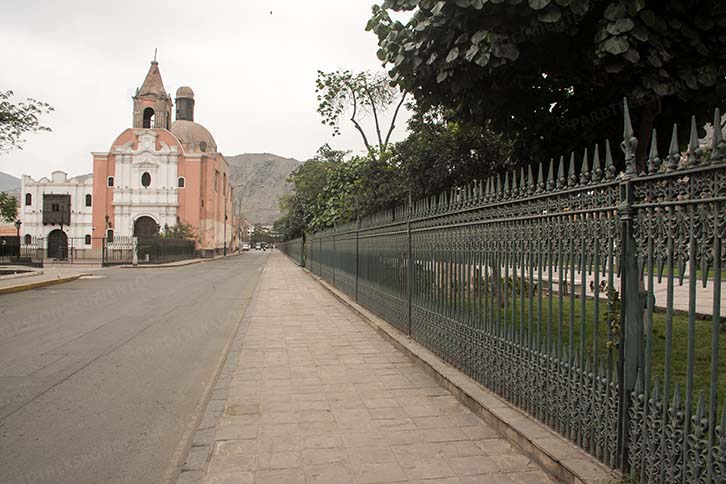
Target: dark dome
x=185 y=91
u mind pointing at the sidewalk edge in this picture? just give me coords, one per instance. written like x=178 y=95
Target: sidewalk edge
x=34 y=285
x=571 y=466
x=201 y=442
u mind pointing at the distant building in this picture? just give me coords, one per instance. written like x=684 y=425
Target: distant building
x=161 y=173
x=55 y=209
x=156 y=173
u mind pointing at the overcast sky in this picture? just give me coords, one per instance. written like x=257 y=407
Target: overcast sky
x=251 y=63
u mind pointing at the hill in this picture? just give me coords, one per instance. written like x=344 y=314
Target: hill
x=263 y=177
x=9 y=183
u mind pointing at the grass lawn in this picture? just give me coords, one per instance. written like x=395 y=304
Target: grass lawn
x=702 y=355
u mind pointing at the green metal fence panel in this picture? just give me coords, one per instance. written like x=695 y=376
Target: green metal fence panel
x=590 y=299
x=294 y=249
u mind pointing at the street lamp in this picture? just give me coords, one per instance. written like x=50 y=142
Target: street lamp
x=18 y=223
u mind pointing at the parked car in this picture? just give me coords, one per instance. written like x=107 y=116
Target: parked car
x=245 y=246
x=258 y=246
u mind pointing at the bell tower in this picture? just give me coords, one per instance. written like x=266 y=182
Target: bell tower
x=152 y=104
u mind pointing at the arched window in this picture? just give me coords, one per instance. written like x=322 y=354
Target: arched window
x=28 y=239
x=109 y=235
x=88 y=200
x=148 y=118
x=88 y=239
x=181 y=182
x=146 y=179
x=28 y=199
x=109 y=182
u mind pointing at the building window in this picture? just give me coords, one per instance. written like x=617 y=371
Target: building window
x=109 y=182
x=224 y=184
x=216 y=181
x=149 y=118
x=109 y=235
x=146 y=179
x=28 y=199
x=88 y=239
x=88 y=200
x=180 y=182
x=28 y=239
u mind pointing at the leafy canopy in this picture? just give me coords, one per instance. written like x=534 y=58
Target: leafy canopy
x=439 y=154
x=551 y=74
x=17 y=119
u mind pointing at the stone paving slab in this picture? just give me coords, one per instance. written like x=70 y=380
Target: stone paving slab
x=318 y=396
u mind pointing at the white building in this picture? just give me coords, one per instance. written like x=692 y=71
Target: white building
x=56 y=210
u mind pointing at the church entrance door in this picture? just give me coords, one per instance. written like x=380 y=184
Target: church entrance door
x=57 y=245
x=145 y=227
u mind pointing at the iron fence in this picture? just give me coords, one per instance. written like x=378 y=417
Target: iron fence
x=14 y=251
x=97 y=250
x=588 y=298
x=157 y=249
x=294 y=249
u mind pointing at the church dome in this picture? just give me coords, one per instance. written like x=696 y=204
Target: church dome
x=193 y=136
x=185 y=91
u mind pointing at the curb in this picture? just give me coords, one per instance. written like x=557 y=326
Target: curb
x=557 y=456
x=20 y=275
x=170 y=265
x=34 y=285
x=202 y=439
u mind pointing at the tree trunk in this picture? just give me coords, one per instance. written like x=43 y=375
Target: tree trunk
x=646 y=114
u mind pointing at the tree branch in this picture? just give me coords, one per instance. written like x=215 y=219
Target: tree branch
x=355 y=123
x=393 y=121
x=375 y=116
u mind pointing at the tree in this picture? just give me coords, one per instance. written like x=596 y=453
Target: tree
x=18 y=119
x=551 y=74
x=366 y=93
x=439 y=154
x=179 y=231
x=303 y=206
x=8 y=207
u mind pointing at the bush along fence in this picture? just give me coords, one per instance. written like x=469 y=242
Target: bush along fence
x=590 y=299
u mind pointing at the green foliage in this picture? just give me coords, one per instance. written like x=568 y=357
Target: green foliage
x=612 y=317
x=178 y=231
x=18 y=119
x=8 y=207
x=334 y=187
x=439 y=154
x=363 y=94
x=551 y=74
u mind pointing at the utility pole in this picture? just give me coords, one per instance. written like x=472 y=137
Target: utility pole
x=225 y=222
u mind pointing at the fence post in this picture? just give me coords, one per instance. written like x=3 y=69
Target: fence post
x=357 y=258
x=335 y=259
x=409 y=271
x=632 y=307
x=302 y=250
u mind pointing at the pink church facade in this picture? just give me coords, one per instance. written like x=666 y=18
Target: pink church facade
x=160 y=173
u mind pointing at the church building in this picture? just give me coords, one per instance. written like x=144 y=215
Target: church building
x=160 y=172
x=157 y=173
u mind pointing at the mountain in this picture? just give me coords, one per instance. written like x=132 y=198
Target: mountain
x=9 y=183
x=263 y=180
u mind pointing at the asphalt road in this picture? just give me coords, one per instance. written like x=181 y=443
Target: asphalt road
x=102 y=380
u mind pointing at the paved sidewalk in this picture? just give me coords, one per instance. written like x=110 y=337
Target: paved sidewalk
x=318 y=396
